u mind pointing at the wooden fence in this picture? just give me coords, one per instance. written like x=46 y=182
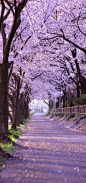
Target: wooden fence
x=75 y=110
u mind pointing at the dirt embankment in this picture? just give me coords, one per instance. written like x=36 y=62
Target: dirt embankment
x=74 y=123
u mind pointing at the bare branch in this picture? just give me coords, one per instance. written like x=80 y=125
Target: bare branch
x=79 y=26
x=2 y=12
x=9 y=4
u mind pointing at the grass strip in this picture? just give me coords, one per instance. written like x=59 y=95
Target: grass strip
x=8 y=148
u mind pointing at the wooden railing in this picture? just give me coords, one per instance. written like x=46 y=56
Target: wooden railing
x=76 y=110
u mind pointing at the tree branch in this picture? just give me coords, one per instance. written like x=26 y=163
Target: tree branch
x=10 y=65
x=2 y=12
x=79 y=26
x=68 y=40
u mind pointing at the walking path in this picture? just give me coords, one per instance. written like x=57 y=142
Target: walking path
x=49 y=153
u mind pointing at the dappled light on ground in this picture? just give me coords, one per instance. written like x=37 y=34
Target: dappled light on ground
x=49 y=153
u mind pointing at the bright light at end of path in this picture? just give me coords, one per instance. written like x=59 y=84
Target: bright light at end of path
x=39 y=106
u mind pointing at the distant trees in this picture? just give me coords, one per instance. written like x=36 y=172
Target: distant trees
x=65 y=43
x=18 y=101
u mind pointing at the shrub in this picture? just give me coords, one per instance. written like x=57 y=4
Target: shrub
x=7 y=148
x=80 y=101
x=25 y=121
x=2 y=160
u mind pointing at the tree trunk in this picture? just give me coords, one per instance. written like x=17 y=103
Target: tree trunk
x=78 y=90
x=14 y=112
x=27 y=107
x=64 y=99
x=16 y=102
x=1 y=104
x=3 y=101
x=82 y=79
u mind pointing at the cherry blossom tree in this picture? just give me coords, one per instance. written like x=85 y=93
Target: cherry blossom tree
x=10 y=20
x=59 y=39
x=68 y=32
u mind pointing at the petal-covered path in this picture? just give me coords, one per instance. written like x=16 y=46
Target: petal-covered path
x=49 y=153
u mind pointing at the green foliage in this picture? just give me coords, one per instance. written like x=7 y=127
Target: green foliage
x=14 y=134
x=25 y=121
x=52 y=115
x=80 y=101
x=7 y=148
x=9 y=127
x=47 y=113
x=51 y=105
x=12 y=138
x=57 y=114
x=2 y=160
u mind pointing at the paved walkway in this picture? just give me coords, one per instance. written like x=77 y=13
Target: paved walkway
x=49 y=153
